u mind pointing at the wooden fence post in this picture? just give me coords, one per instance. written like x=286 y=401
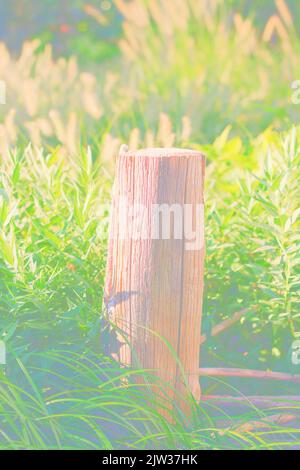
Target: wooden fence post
x=154 y=279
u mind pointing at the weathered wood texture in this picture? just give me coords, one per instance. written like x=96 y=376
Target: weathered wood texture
x=154 y=286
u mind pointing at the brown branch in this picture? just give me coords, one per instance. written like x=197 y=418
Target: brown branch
x=247 y=373
x=279 y=419
x=262 y=402
x=222 y=326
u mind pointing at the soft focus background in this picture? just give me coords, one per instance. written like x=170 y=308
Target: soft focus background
x=121 y=67
x=81 y=78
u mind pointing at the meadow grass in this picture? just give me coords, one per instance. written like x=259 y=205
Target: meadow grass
x=59 y=388
x=204 y=66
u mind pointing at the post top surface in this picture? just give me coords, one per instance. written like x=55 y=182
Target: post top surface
x=163 y=152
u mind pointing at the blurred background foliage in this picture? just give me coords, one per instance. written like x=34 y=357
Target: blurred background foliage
x=88 y=29
x=117 y=66
x=59 y=22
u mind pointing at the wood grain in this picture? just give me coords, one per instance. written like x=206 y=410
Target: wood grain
x=154 y=287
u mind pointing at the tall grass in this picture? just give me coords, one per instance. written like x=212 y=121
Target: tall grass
x=67 y=400
x=197 y=60
x=59 y=388
x=206 y=60
x=253 y=241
